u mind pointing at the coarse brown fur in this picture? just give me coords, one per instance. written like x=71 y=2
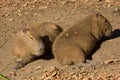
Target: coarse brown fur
x=26 y=48
x=48 y=31
x=75 y=44
x=33 y=41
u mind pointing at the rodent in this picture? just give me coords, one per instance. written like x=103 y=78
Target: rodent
x=33 y=41
x=48 y=32
x=76 y=43
x=26 y=47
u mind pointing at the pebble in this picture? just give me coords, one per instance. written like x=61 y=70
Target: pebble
x=12 y=73
x=109 y=1
x=38 y=68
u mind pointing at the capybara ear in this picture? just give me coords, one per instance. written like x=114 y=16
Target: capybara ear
x=56 y=27
x=97 y=15
x=25 y=30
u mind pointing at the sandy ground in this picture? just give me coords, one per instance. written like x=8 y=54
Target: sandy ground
x=16 y=14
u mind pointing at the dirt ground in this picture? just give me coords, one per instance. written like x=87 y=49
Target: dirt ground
x=16 y=14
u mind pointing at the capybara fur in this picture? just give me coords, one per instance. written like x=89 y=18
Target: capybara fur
x=47 y=31
x=77 y=42
x=35 y=40
x=26 y=47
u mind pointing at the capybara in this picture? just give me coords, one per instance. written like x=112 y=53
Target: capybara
x=77 y=42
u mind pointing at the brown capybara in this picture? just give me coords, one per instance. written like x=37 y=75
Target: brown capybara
x=26 y=47
x=33 y=41
x=47 y=31
x=75 y=44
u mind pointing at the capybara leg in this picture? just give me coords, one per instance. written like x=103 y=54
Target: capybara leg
x=70 y=55
x=21 y=62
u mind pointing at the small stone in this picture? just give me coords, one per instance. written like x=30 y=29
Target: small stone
x=7 y=15
x=56 y=18
x=32 y=78
x=108 y=62
x=38 y=68
x=109 y=5
x=21 y=21
x=13 y=73
x=11 y=20
x=63 y=2
x=43 y=7
x=99 y=0
x=109 y=1
x=86 y=78
x=73 y=0
x=26 y=4
x=67 y=35
x=117 y=9
x=19 y=11
x=111 y=61
x=76 y=32
x=32 y=71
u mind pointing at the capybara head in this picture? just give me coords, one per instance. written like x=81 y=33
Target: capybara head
x=35 y=44
x=104 y=24
x=24 y=43
x=43 y=29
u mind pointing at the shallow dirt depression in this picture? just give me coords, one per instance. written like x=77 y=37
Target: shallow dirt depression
x=16 y=14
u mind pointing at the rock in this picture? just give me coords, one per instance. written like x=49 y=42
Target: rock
x=110 y=61
x=109 y=1
x=73 y=0
x=38 y=68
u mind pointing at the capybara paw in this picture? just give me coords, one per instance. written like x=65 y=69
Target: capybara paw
x=19 y=66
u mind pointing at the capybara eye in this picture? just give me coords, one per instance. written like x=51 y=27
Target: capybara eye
x=106 y=21
x=25 y=30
